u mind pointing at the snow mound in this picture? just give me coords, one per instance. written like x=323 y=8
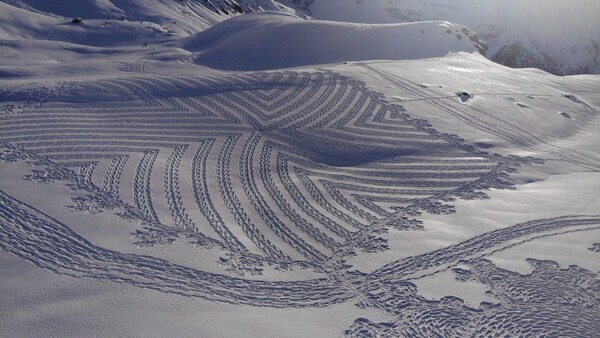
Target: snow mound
x=270 y=40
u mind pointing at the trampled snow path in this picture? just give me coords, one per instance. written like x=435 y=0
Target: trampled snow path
x=42 y=240
x=290 y=169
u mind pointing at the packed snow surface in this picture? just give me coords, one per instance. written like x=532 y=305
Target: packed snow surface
x=271 y=176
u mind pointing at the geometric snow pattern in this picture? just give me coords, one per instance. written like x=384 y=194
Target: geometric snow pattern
x=291 y=169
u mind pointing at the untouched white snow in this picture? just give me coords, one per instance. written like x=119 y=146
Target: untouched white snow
x=271 y=176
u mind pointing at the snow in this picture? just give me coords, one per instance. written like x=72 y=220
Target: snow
x=562 y=36
x=263 y=175
x=93 y=32
x=496 y=90
x=260 y=40
x=183 y=17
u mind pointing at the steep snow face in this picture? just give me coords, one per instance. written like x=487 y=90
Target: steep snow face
x=562 y=37
x=270 y=40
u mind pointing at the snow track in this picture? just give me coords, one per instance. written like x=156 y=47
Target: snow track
x=34 y=236
x=321 y=132
x=492 y=124
x=288 y=169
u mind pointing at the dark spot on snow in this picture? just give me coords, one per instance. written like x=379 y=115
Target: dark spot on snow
x=573 y=98
x=521 y=104
x=5 y=74
x=566 y=115
x=464 y=96
x=353 y=157
x=484 y=145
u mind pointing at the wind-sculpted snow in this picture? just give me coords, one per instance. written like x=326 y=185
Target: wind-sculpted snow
x=295 y=170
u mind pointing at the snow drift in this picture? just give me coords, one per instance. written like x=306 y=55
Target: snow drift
x=271 y=40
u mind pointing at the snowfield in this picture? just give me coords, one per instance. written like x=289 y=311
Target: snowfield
x=265 y=175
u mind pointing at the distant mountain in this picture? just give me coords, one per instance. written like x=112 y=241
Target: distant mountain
x=561 y=37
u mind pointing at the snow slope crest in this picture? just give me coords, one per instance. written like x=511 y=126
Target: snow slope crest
x=270 y=40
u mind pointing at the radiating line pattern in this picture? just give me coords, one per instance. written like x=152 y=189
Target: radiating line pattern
x=290 y=169
x=284 y=167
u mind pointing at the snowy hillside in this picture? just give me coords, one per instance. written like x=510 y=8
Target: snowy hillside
x=189 y=170
x=268 y=40
x=181 y=17
x=562 y=37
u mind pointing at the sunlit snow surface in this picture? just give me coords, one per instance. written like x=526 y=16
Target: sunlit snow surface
x=179 y=189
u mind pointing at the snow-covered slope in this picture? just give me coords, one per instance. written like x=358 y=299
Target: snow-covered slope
x=39 y=36
x=175 y=199
x=143 y=193
x=562 y=37
x=181 y=17
x=272 y=40
x=21 y=24
x=559 y=37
